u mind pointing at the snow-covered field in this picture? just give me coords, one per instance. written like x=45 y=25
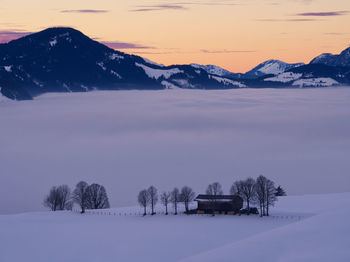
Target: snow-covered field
x=128 y=140
x=301 y=228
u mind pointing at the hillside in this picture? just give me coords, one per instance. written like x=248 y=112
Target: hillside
x=65 y=60
x=308 y=232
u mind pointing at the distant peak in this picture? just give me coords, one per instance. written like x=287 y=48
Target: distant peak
x=60 y=30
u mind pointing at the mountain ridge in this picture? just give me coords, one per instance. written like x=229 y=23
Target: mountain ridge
x=342 y=59
x=62 y=59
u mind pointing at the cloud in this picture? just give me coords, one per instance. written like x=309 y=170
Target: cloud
x=11 y=34
x=147 y=8
x=85 y=11
x=180 y=6
x=152 y=53
x=216 y=3
x=126 y=140
x=289 y=20
x=124 y=45
x=224 y=51
x=335 y=33
x=335 y=13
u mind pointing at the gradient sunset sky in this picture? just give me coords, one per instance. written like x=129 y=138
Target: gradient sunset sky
x=234 y=34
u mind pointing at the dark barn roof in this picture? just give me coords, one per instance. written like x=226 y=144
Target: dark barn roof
x=217 y=197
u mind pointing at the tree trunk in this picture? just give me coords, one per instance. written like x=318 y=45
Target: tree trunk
x=264 y=208
x=83 y=206
x=144 y=210
x=166 y=209
x=175 y=208
x=248 y=207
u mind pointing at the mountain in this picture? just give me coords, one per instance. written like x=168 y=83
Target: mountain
x=342 y=59
x=270 y=67
x=312 y=75
x=323 y=71
x=65 y=60
x=216 y=70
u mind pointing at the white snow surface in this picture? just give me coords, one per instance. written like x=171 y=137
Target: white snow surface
x=168 y=85
x=310 y=228
x=53 y=42
x=227 y=81
x=316 y=82
x=275 y=67
x=157 y=73
x=115 y=56
x=101 y=64
x=116 y=74
x=151 y=62
x=323 y=237
x=212 y=69
x=8 y=68
x=183 y=83
x=284 y=77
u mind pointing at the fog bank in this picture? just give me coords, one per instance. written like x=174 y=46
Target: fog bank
x=128 y=140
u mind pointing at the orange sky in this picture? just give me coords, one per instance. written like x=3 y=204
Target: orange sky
x=234 y=34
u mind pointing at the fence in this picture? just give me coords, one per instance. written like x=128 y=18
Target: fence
x=135 y=213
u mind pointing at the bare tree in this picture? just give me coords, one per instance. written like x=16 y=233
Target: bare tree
x=261 y=191
x=64 y=194
x=246 y=190
x=175 y=198
x=96 y=197
x=80 y=195
x=69 y=204
x=144 y=200
x=235 y=188
x=165 y=199
x=51 y=200
x=187 y=196
x=271 y=197
x=58 y=198
x=153 y=195
x=214 y=189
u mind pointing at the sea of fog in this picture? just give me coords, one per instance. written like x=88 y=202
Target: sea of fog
x=128 y=140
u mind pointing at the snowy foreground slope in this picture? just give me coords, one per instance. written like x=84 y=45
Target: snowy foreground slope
x=303 y=228
x=325 y=236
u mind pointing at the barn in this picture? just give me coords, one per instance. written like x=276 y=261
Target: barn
x=219 y=204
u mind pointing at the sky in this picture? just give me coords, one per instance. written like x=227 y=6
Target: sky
x=233 y=34
x=129 y=140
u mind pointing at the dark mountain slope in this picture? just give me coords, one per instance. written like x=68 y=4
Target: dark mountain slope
x=65 y=60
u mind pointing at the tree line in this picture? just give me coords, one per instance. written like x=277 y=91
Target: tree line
x=86 y=196
x=260 y=191
x=149 y=197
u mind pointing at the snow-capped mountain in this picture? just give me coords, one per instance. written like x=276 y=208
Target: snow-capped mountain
x=65 y=60
x=216 y=70
x=342 y=59
x=312 y=75
x=323 y=71
x=270 y=67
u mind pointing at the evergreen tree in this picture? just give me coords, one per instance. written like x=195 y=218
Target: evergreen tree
x=280 y=191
